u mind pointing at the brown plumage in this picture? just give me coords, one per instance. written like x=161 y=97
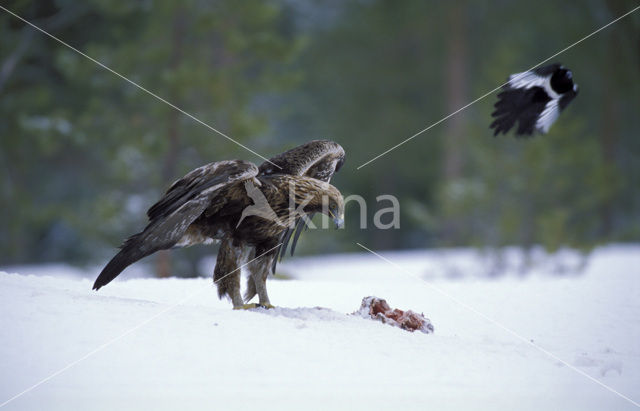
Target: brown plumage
x=253 y=211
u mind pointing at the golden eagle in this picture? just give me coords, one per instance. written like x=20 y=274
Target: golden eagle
x=253 y=211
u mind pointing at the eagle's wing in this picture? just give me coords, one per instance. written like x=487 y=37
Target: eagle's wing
x=182 y=204
x=318 y=159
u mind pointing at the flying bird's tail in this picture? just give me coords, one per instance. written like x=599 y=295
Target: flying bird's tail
x=131 y=252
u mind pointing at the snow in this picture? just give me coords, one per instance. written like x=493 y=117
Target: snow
x=143 y=343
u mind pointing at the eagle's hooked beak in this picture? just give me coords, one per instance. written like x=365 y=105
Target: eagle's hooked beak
x=338 y=220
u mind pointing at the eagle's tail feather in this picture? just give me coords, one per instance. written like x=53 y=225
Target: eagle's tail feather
x=129 y=254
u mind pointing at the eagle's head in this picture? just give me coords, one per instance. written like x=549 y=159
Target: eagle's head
x=334 y=205
x=311 y=196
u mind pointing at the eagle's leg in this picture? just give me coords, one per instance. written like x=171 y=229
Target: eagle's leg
x=226 y=275
x=261 y=288
x=257 y=282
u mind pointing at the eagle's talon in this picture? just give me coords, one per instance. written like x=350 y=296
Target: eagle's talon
x=252 y=306
x=245 y=306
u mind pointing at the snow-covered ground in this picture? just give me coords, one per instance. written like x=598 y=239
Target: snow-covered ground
x=171 y=344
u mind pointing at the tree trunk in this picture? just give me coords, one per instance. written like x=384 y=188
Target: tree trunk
x=609 y=131
x=163 y=261
x=456 y=92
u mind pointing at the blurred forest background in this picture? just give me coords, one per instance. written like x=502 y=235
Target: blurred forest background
x=83 y=153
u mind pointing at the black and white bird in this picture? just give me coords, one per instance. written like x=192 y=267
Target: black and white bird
x=534 y=99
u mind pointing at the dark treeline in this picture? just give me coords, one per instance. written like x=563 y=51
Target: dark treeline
x=83 y=153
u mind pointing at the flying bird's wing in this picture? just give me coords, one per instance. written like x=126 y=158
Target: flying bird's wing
x=181 y=205
x=523 y=106
x=318 y=159
x=548 y=116
x=526 y=80
x=533 y=99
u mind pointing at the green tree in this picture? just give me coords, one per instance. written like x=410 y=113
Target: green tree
x=87 y=152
